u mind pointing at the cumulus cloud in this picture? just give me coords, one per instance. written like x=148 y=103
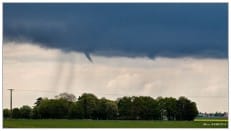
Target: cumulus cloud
x=35 y=71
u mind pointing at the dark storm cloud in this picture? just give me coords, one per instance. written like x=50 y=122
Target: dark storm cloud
x=172 y=30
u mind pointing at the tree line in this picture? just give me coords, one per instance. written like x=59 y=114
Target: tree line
x=88 y=106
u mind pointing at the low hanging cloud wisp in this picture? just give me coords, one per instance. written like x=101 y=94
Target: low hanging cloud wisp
x=134 y=30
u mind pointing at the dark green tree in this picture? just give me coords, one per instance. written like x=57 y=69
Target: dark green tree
x=186 y=110
x=89 y=106
x=145 y=108
x=16 y=113
x=75 y=111
x=26 y=112
x=192 y=111
x=171 y=108
x=35 y=113
x=125 y=108
x=161 y=108
x=67 y=96
x=53 y=108
x=105 y=110
x=88 y=102
x=6 y=113
x=38 y=101
x=111 y=110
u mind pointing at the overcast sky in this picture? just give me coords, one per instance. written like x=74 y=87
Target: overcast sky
x=115 y=50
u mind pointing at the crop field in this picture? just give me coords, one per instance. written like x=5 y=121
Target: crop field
x=63 y=123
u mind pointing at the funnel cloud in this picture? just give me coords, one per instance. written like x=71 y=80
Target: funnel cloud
x=134 y=30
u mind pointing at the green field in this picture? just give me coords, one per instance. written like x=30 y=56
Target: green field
x=212 y=119
x=55 y=123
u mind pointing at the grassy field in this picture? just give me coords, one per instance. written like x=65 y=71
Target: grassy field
x=212 y=119
x=54 y=123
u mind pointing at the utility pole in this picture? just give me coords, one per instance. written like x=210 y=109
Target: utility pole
x=11 y=90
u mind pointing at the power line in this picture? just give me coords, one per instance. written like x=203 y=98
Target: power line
x=48 y=91
x=115 y=94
